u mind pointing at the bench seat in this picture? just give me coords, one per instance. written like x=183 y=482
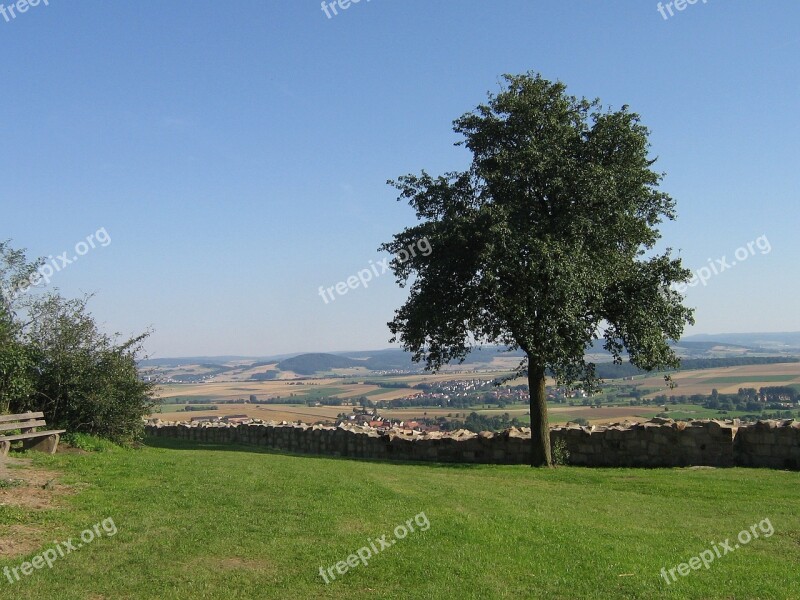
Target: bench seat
x=27 y=423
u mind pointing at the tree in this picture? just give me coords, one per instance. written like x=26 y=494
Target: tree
x=55 y=359
x=17 y=276
x=545 y=244
x=778 y=394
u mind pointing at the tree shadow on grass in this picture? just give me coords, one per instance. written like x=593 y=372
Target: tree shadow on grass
x=174 y=444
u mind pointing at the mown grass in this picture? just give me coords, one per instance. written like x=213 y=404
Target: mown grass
x=223 y=522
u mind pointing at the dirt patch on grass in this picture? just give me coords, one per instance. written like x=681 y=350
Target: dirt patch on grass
x=25 y=487
x=17 y=540
x=232 y=563
x=243 y=563
x=354 y=526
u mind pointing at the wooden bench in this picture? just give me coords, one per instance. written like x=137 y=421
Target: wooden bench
x=32 y=439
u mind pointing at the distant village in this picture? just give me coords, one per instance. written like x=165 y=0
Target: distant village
x=360 y=416
x=458 y=394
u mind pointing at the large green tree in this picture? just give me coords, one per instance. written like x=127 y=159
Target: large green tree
x=545 y=243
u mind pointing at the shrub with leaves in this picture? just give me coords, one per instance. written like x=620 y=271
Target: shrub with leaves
x=55 y=359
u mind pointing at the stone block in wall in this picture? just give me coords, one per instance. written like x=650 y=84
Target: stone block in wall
x=774 y=444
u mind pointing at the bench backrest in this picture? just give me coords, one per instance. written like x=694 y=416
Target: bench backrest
x=25 y=421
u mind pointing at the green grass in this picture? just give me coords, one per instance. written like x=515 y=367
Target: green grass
x=173 y=400
x=88 y=443
x=695 y=411
x=221 y=522
x=317 y=392
x=168 y=408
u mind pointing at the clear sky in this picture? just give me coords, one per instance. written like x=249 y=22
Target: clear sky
x=236 y=153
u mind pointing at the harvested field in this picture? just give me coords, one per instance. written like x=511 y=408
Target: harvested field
x=726 y=380
x=274 y=412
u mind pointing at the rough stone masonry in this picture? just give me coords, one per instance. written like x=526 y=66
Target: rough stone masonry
x=655 y=443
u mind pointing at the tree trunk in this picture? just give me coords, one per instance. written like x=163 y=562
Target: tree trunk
x=540 y=429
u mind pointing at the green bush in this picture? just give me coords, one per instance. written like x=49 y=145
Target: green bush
x=83 y=380
x=55 y=359
x=15 y=371
x=560 y=453
x=88 y=443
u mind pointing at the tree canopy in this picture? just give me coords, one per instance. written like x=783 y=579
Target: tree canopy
x=545 y=243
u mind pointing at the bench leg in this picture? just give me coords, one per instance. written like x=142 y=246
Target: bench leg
x=4 y=448
x=47 y=444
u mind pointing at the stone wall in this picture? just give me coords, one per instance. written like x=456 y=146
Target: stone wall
x=773 y=444
x=656 y=443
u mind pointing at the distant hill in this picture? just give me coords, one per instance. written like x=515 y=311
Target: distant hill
x=783 y=341
x=702 y=347
x=189 y=360
x=181 y=361
x=612 y=371
x=377 y=360
x=383 y=360
x=398 y=359
x=308 y=364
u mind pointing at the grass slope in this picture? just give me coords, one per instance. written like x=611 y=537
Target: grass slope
x=220 y=522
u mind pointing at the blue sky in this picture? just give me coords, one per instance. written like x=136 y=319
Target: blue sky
x=236 y=153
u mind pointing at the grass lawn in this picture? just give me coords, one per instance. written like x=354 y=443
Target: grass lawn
x=222 y=522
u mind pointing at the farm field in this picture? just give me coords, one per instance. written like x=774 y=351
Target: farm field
x=266 y=412
x=558 y=414
x=304 y=388
x=483 y=531
x=301 y=389
x=726 y=380
x=311 y=414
